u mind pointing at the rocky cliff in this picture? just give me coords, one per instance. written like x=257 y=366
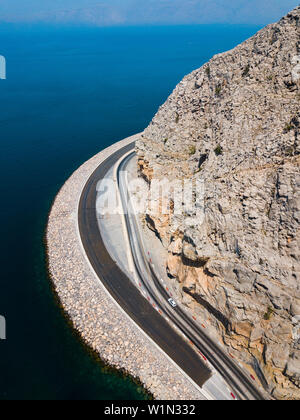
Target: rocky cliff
x=235 y=124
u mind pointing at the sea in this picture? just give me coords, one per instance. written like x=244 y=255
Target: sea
x=69 y=93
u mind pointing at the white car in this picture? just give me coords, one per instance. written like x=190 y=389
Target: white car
x=172 y=303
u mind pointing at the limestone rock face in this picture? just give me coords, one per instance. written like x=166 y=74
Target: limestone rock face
x=235 y=125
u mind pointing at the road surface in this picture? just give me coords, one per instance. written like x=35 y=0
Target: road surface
x=240 y=382
x=123 y=290
x=189 y=355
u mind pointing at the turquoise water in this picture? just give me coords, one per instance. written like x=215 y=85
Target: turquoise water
x=70 y=92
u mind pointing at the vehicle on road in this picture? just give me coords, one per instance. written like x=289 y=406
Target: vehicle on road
x=172 y=303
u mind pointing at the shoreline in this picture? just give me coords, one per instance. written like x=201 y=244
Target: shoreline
x=100 y=322
x=105 y=366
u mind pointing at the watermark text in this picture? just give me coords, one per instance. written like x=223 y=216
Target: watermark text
x=2 y=328
x=2 y=67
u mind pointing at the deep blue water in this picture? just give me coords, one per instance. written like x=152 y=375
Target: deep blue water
x=69 y=93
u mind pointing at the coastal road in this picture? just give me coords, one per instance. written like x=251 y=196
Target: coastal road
x=123 y=290
x=235 y=377
x=168 y=327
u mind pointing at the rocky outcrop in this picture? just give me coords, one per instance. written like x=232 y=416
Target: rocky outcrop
x=235 y=124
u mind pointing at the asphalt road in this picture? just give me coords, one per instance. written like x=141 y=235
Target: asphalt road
x=234 y=376
x=123 y=290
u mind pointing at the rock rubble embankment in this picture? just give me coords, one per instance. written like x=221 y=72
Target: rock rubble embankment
x=104 y=327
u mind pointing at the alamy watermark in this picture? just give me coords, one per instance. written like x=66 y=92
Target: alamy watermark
x=2 y=328
x=163 y=198
x=2 y=67
x=2 y=319
x=296 y=68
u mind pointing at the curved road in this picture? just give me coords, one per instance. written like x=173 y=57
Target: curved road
x=122 y=289
x=137 y=307
x=238 y=380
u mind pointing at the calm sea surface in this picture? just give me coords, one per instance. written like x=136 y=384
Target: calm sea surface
x=71 y=92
